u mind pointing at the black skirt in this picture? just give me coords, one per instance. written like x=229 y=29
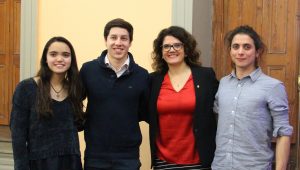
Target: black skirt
x=163 y=165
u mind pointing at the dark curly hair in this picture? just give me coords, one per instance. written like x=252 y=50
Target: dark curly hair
x=190 y=48
x=260 y=47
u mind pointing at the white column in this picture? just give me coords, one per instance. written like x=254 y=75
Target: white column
x=28 y=49
x=182 y=14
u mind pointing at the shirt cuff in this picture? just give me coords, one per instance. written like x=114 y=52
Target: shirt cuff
x=283 y=131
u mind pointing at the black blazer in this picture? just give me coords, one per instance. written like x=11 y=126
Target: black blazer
x=206 y=86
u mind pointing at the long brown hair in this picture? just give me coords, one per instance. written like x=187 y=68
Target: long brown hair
x=72 y=81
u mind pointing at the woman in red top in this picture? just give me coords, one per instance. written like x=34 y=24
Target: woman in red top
x=181 y=119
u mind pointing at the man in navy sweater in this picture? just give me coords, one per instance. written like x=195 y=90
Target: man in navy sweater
x=117 y=91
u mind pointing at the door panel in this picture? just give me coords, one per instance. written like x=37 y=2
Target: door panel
x=14 y=48
x=279 y=34
x=4 y=60
x=9 y=54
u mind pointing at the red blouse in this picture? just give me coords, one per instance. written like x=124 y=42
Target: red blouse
x=176 y=140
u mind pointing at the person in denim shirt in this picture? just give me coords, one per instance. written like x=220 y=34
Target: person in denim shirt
x=252 y=109
x=46 y=112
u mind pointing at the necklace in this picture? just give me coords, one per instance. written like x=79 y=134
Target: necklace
x=57 y=92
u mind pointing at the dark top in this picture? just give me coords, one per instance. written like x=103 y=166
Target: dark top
x=204 y=122
x=36 y=139
x=115 y=107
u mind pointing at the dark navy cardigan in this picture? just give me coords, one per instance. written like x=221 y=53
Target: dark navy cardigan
x=204 y=122
x=115 y=107
x=34 y=138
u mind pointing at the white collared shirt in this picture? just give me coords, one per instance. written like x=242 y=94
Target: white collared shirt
x=122 y=69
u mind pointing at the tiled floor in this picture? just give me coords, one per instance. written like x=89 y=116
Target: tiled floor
x=6 y=156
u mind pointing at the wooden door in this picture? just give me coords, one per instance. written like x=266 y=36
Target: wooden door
x=9 y=54
x=296 y=148
x=278 y=24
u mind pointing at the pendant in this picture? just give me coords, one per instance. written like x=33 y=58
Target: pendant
x=57 y=95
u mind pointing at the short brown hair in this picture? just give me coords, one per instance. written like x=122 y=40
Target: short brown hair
x=118 y=22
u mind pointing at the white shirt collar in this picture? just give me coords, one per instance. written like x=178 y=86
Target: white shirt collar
x=122 y=69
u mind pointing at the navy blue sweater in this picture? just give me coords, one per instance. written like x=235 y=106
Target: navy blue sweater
x=36 y=139
x=115 y=107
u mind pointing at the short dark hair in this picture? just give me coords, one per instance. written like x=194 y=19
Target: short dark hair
x=118 y=22
x=190 y=47
x=260 y=47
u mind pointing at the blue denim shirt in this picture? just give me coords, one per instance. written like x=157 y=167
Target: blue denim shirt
x=251 y=111
x=34 y=138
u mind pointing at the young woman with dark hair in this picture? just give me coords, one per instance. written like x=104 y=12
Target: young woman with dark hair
x=47 y=112
x=181 y=118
